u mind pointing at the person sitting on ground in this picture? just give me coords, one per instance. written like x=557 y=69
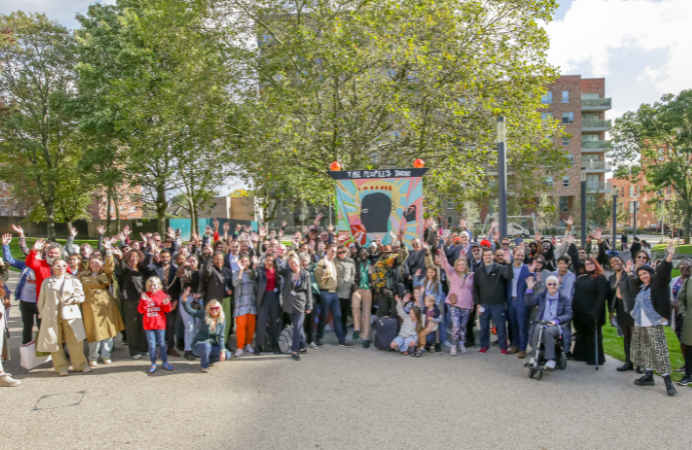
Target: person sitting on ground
x=554 y=308
x=411 y=327
x=209 y=343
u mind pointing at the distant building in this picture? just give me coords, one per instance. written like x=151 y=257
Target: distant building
x=129 y=204
x=630 y=194
x=225 y=207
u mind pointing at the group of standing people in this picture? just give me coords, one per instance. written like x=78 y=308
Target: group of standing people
x=163 y=294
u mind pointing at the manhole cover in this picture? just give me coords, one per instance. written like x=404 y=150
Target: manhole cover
x=59 y=400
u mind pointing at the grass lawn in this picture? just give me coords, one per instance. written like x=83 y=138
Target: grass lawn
x=613 y=345
x=18 y=255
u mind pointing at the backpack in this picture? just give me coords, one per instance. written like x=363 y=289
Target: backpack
x=286 y=340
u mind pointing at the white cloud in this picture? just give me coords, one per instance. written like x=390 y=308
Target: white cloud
x=593 y=30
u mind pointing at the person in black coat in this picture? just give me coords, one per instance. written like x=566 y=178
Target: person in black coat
x=268 y=281
x=135 y=273
x=591 y=291
x=216 y=283
x=636 y=246
x=616 y=308
x=490 y=297
x=296 y=296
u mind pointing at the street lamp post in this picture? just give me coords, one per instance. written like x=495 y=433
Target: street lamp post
x=634 y=226
x=615 y=216
x=502 y=174
x=583 y=207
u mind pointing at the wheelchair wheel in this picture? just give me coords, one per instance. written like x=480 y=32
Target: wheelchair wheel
x=563 y=362
x=540 y=374
x=531 y=372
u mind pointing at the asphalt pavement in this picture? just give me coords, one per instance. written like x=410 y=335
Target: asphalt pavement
x=338 y=398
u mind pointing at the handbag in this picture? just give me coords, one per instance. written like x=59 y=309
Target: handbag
x=70 y=312
x=38 y=353
x=28 y=356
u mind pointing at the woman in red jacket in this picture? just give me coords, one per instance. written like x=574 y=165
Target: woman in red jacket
x=153 y=305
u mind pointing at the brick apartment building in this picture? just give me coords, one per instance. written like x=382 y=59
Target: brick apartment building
x=10 y=205
x=580 y=104
x=629 y=193
x=129 y=204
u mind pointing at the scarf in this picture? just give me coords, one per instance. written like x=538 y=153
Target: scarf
x=551 y=302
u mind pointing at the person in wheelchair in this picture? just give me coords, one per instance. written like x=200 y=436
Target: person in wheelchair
x=553 y=308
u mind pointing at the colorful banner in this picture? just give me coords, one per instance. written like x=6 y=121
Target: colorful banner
x=372 y=204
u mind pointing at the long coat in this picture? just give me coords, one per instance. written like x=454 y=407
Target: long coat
x=102 y=319
x=685 y=309
x=49 y=303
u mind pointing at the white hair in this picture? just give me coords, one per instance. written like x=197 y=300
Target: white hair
x=554 y=278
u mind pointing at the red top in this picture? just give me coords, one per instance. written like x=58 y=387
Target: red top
x=271 y=280
x=41 y=269
x=154 y=310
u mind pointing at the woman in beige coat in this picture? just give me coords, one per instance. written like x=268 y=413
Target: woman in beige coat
x=102 y=319
x=61 y=321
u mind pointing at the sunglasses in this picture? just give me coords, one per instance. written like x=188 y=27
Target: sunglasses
x=551 y=284
x=505 y=244
x=216 y=308
x=342 y=253
x=642 y=257
x=684 y=267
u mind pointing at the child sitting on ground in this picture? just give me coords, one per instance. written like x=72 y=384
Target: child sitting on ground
x=410 y=328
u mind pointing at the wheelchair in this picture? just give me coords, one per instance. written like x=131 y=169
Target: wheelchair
x=538 y=367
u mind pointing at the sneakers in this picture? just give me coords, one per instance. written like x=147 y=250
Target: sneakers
x=6 y=380
x=646 y=380
x=550 y=364
x=484 y=350
x=320 y=344
x=93 y=363
x=453 y=351
x=462 y=349
x=167 y=366
x=189 y=355
x=63 y=373
x=347 y=344
x=295 y=356
x=136 y=356
x=356 y=335
x=366 y=344
x=87 y=369
x=685 y=381
x=681 y=370
x=447 y=344
x=152 y=369
x=106 y=360
x=503 y=351
x=312 y=345
x=249 y=349
x=512 y=350
x=205 y=370
x=669 y=385
x=238 y=352
x=521 y=355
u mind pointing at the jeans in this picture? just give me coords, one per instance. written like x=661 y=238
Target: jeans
x=498 y=316
x=29 y=312
x=330 y=301
x=268 y=314
x=519 y=322
x=460 y=317
x=154 y=337
x=298 y=333
x=549 y=335
x=209 y=353
x=103 y=347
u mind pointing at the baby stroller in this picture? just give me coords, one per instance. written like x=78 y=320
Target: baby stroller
x=536 y=369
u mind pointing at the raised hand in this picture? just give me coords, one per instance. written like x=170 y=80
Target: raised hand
x=101 y=230
x=462 y=224
x=262 y=231
x=216 y=224
x=507 y=255
x=628 y=266
x=73 y=232
x=126 y=231
x=114 y=240
x=106 y=244
x=116 y=252
x=306 y=230
x=283 y=223
x=254 y=237
x=407 y=297
x=494 y=224
x=532 y=267
x=318 y=217
x=537 y=237
x=671 y=251
x=38 y=245
x=419 y=272
x=18 y=230
x=237 y=228
x=208 y=230
x=6 y=239
x=281 y=233
x=255 y=260
x=186 y=294
x=598 y=234
x=530 y=283
x=330 y=228
x=569 y=221
x=170 y=232
x=226 y=227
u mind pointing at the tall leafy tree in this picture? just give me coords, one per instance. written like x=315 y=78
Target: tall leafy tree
x=37 y=58
x=655 y=142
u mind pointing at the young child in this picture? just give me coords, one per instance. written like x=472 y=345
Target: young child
x=410 y=329
x=430 y=323
x=153 y=305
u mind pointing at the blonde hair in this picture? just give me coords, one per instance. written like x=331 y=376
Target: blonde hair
x=151 y=281
x=431 y=297
x=207 y=316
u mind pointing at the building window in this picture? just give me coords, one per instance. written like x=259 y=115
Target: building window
x=565 y=141
x=450 y=220
x=133 y=209
x=669 y=189
x=565 y=181
x=121 y=209
x=564 y=204
x=565 y=96
x=547 y=97
x=591 y=199
x=546 y=116
x=568 y=117
x=450 y=205
x=631 y=191
x=112 y=209
x=622 y=191
x=548 y=182
x=571 y=160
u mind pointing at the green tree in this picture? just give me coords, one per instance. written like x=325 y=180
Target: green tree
x=375 y=84
x=37 y=58
x=656 y=142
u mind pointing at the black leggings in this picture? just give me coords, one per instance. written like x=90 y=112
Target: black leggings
x=309 y=323
x=688 y=360
x=627 y=332
x=345 y=304
x=29 y=312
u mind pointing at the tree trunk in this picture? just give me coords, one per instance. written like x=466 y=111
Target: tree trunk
x=688 y=217
x=161 y=205
x=49 y=205
x=108 y=210
x=116 y=204
x=193 y=214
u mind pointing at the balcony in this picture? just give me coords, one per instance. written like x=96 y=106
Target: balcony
x=596 y=166
x=596 y=125
x=596 y=104
x=598 y=188
x=594 y=146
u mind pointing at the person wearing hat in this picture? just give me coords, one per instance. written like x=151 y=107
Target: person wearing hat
x=650 y=312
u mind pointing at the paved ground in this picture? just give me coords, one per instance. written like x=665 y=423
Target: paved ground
x=339 y=399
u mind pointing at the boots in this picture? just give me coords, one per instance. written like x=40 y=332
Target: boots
x=627 y=366
x=669 y=385
x=646 y=380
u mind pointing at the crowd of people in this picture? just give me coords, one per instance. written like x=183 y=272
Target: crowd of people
x=161 y=293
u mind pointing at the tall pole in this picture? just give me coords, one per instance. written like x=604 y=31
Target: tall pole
x=634 y=227
x=615 y=219
x=502 y=174
x=583 y=207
